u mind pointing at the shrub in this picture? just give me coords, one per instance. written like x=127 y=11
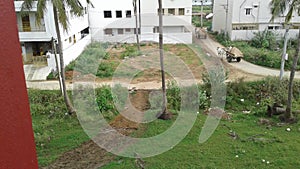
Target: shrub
x=130 y=51
x=264 y=39
x=106 y=69
x=173 y=96
x=223 y=39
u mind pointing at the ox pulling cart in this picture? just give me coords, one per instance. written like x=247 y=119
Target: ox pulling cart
x=231 y=53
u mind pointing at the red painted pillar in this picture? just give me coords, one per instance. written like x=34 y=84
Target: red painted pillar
x=17 y=147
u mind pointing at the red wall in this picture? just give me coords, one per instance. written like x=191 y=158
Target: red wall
x=17 y=148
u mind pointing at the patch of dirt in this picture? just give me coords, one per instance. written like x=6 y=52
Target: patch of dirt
x=234 y=74
x=153 y=75
x=69 y=75
x=89 y=155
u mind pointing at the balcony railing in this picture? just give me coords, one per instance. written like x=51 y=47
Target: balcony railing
x=23 y=28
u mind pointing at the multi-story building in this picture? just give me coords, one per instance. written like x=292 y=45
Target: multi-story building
x=114 y=21
x=241 y=18
x=36 y=38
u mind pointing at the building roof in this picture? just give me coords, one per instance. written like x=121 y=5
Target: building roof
x=18 y=6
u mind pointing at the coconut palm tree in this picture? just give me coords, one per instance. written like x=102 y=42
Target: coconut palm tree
x=163 y=114
x=60 y=17
x=134 y=3
x=287 y=8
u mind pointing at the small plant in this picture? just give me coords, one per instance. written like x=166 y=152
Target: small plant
x=52 y=76
x=106 y=69
x=223 y=39
x=173 y=96
x=130 y=51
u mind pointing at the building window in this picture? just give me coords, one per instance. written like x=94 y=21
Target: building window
x=120 y=31
x=128 y=14
x=127 y=30
x=171 y=11
x=181 y=11
x=245 y=26
x=273 y=27
x=107 y=14
x=156 y=29
x=118 y=14
x=138 y=31
x=74 y=39
x=248 y=11
x=108 y=31
x=26 y=23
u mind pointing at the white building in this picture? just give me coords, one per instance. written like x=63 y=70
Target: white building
x=36 y=39
x=244 y=17
x=114 y=21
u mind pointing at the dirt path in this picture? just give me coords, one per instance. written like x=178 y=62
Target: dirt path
x=89 y=155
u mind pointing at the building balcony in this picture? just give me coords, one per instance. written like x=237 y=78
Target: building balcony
x=22 y=28
x=27 y=28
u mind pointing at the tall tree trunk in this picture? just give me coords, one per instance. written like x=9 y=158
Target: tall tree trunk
x=284 y=53
x=161 y=56
x=56 y=62
x=140 y=18
x=136 y=25
x=70 y=108
x=288 y=113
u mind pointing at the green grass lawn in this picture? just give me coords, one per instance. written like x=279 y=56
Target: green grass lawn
x=280 y=148
x=56 y=133
x=256 y=143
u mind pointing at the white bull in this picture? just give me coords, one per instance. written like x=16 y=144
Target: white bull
x=221 y=51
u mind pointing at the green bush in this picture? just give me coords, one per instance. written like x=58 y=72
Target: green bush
x=47 y=103
x=223 y=39
x=264 y=39
x=52 y=76
x=104 y=99
x=257 y=95
x=173 y=96
x=106 y=69
x=87 y=61
x=130 y=51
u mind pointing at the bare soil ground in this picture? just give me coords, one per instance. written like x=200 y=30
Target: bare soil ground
x=89 y=155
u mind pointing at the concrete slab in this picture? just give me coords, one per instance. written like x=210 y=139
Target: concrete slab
x=36 y=73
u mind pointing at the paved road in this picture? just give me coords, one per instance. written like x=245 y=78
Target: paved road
x=211 y=47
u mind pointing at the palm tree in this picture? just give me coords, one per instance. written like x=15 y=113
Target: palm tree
x=134 y=3
x=60 y=17
x=279 y=7
x=163 y=114
x=140 y=18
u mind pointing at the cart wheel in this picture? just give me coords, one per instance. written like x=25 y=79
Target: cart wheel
x=229 y=59
x=238 y=59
